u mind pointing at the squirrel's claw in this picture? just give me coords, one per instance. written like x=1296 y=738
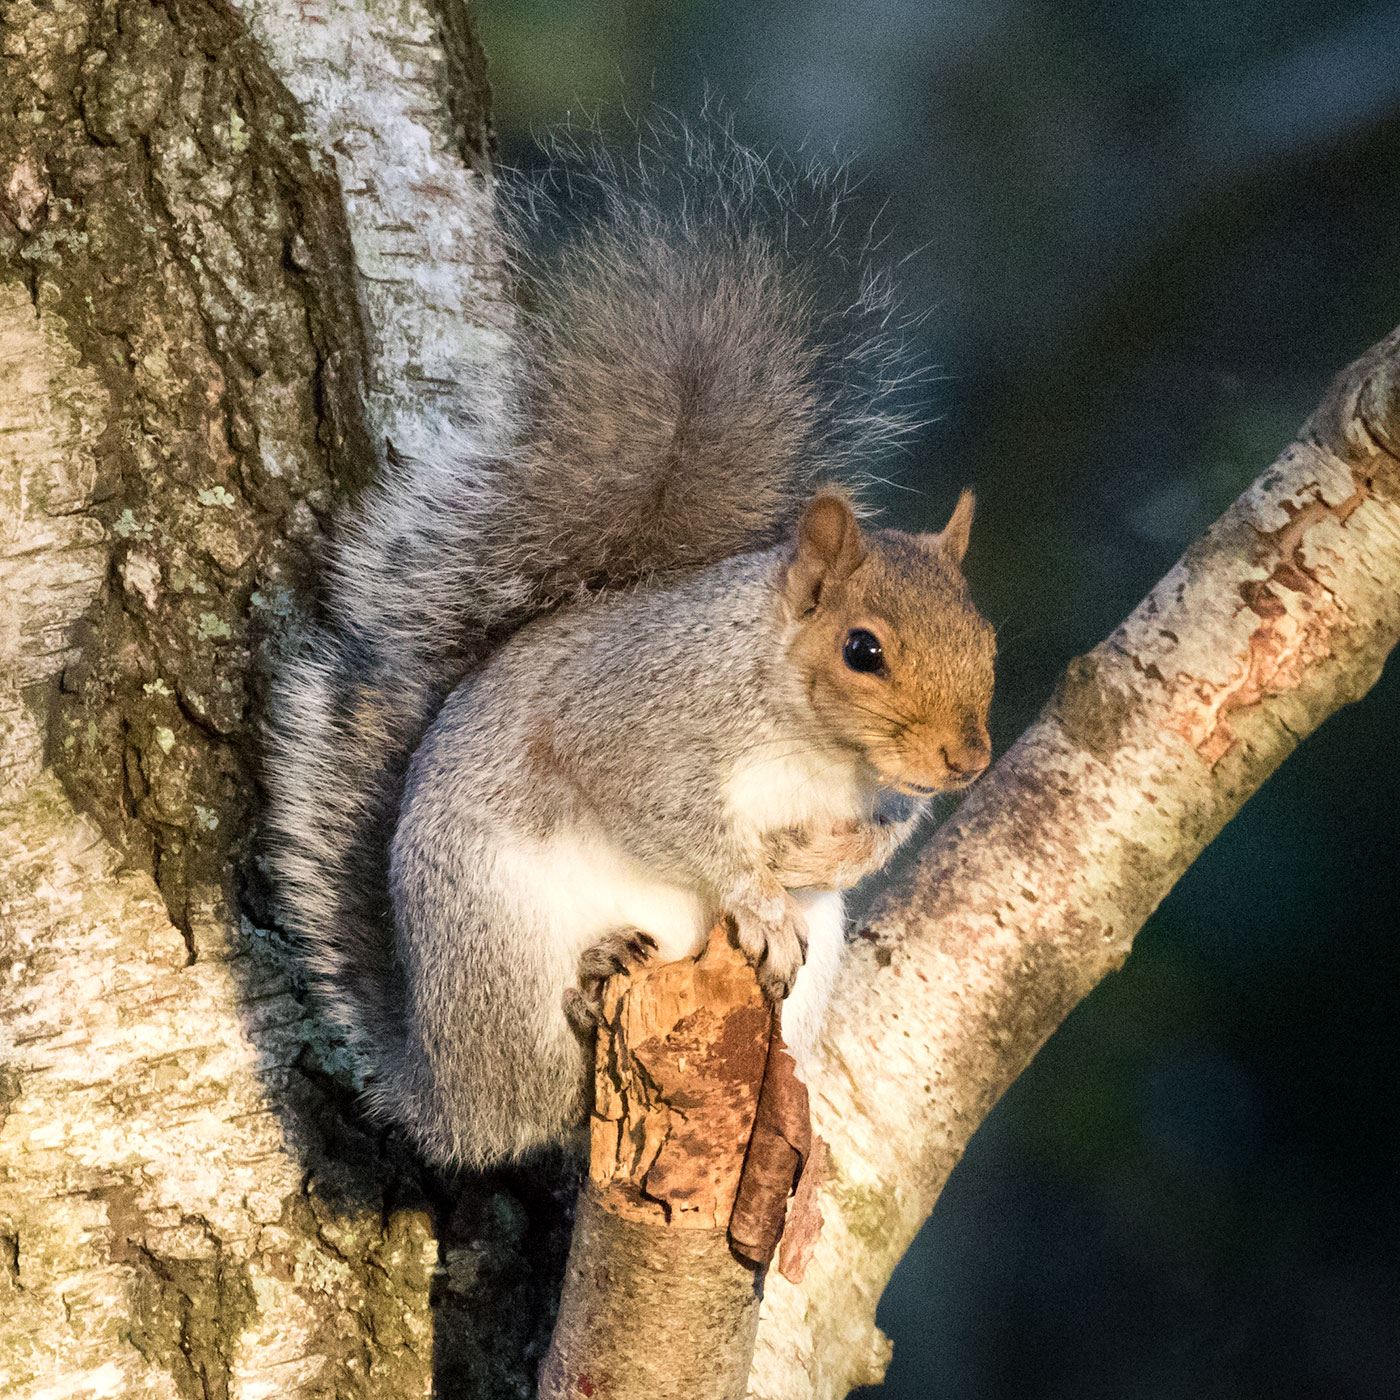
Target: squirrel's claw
x=776 y=946
x=622 y=951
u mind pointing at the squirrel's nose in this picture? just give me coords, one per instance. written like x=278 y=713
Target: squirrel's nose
x=966 y=761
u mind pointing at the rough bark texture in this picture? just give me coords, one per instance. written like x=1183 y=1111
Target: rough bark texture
x=1032 y=893
x=222 y=247
x=695 y=1103
x=681 y=1054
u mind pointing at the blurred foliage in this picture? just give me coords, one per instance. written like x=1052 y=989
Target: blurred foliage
x=1149 y=234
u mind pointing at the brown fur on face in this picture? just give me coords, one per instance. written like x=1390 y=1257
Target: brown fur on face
x=921 y=720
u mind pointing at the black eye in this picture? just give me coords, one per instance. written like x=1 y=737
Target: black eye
x=863 y=651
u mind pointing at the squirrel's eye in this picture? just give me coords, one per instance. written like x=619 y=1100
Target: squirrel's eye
x=863 y=651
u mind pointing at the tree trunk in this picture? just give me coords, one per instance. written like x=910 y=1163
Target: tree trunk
x=223 y=242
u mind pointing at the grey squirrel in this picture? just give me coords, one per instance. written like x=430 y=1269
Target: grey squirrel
x=608 y=657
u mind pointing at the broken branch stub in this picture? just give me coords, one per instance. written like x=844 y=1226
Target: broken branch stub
x=681 y=1054
x=699 y=1120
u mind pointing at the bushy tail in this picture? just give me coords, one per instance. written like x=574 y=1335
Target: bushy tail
x=681 y=378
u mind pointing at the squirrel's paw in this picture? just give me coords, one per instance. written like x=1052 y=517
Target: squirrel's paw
x=773 y=938
x=622 y=951
x=832 y=858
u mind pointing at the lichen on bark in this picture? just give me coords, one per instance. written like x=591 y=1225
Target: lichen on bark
x=189 y=1204
x=197 y=260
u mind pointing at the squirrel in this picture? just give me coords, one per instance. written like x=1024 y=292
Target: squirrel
x=607 y=656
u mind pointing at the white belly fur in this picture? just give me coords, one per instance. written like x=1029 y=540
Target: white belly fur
x=585 y=887
x=775 y=787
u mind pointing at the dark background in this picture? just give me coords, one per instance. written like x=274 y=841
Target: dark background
x=1149 y=233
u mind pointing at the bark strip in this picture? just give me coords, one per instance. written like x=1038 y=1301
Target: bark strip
x=779 y=1148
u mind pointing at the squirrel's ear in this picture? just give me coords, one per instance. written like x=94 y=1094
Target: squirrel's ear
x=952 y=539
x=830 y=548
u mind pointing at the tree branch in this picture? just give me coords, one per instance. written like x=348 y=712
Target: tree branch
x=1034 y=891
x=1283 y=612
